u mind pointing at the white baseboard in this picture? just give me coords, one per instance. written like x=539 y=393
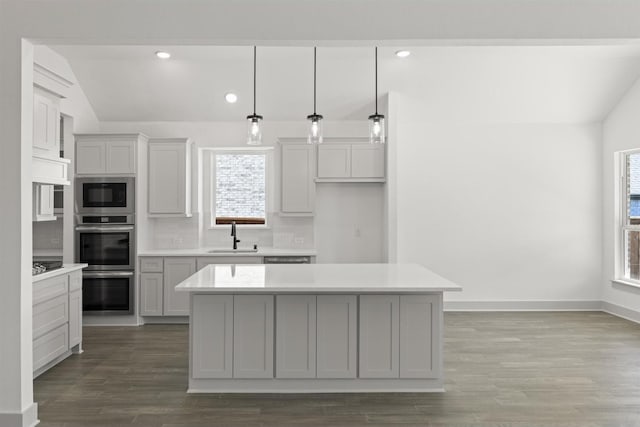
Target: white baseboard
x=97 y=320
x=522 y=305
x=166 y=320
x=26 y=418
x=620 y=311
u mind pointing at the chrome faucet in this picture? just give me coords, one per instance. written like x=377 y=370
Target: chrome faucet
x=233 y=234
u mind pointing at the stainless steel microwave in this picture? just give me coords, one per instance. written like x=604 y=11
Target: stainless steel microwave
x=105 y=196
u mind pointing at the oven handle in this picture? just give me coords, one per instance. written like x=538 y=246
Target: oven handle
x=105 y=228
x=97 y=274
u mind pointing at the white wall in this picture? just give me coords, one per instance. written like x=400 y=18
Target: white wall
x=285 y=232
x=510 y=212
x=621 y=131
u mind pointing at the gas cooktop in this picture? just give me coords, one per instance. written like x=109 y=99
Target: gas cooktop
x=44 y=266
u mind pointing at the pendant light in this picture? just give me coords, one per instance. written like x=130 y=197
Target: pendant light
x=315 y=120
x=376 y=121
x=254 y=132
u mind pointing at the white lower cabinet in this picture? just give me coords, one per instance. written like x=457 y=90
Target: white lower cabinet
x=151 y=294
x=176 y=270
x=75 y=318
x=295 y=336
x=57 y=319
x=289 y=337
x=253 y=336
x=49 y=346
x=337 y=332
x=50 y=314
x=379 y=342
x=419 y=336
x=212 y=330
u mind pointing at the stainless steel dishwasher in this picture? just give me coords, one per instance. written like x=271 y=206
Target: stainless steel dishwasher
x=287 y=260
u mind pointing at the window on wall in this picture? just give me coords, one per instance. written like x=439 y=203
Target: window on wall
x=630 y=230
x=240 y=188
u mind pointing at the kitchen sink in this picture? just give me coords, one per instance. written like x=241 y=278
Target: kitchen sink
x=232 y=251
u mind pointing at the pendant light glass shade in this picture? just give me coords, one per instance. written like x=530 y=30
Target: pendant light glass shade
x=254 y=130
x=376 y=121
x=376 y=129
x=315 y=129
x=315 y=120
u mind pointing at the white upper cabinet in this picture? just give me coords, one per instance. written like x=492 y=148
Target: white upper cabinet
x=353 y=162
x=334 y=161
x=43 y=203
x=107 y=154
x=47 y=165
x=170 y=177
x=367 y=161
x=46 y=124
x=298 y=172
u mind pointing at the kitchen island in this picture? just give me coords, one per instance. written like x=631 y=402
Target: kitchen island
x=315 y=328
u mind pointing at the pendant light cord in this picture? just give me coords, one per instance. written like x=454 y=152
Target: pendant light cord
x=254 y=80
x=376 y=84
x=314 y=80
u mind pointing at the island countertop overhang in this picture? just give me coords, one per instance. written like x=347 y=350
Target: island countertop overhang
x=316 y=278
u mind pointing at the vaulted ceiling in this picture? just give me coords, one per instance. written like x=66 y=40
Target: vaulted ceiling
x=510 y=84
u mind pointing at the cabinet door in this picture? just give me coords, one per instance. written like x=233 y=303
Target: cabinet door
x=295 y=336
x=91 y=157
x=175 y=271
x=337 y=321
x=298 y=187
x=46 y=124
x=151 y=294
x=212 y=336
x=75 y=317
x=49 y=346
x=121 y=157
x=419 y=336
x=379 y=336
x=168 y=179
x=334 y=161
x=367 y=161
x=43 y=198
x=253 y=336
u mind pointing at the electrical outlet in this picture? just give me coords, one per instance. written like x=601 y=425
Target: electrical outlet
x=357 y=233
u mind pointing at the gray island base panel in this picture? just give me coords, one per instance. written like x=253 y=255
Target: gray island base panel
x=315 y=328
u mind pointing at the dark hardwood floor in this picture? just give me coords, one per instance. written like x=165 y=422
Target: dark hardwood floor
x=502 y=369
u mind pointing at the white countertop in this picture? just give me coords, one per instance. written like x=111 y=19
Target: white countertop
x=266 y=251
x=316 y=278
x=66 y=269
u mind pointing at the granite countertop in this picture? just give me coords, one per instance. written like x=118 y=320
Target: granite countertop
x=66 y=269
x=316 y=278
x=266 y=251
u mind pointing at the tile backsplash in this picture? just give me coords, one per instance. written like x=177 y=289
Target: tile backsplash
x=184 y=233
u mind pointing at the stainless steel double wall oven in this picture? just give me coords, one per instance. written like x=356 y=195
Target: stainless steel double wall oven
x=105 y=239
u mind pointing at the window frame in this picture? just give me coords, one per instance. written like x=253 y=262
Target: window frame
x=622 y=194
x=268 y=153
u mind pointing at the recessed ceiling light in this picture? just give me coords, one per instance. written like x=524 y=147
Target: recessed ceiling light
x=231 y=97
x=163 y=55
x=402 y=53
